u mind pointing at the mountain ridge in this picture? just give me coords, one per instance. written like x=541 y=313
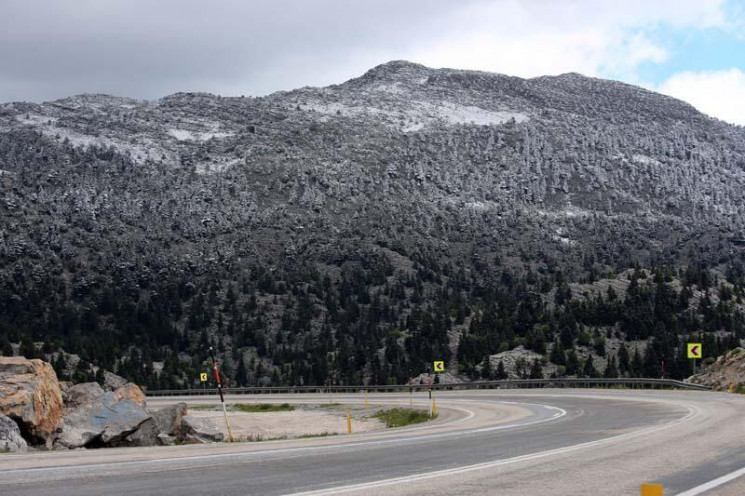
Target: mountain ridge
x=127 y=224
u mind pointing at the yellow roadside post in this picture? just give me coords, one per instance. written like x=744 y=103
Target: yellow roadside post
x=366 y=402
x=434 y=408
x=349 y=421
x=652 y=489
x=731 y=387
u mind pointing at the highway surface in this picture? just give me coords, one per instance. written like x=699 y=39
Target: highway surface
x=506 y=442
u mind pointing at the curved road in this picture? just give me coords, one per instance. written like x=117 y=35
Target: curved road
x=485 y=442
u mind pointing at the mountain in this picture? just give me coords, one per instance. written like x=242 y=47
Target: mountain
x=357 y=231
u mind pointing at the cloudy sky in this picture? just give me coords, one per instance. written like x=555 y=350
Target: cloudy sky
x=690 y=49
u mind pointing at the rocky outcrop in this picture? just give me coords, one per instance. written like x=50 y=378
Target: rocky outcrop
x=106 y=421
x=727 y=369
x=83 y=393
x=31 y=396
x=11 y=440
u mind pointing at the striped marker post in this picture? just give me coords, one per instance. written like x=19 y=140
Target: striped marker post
x=219 y=389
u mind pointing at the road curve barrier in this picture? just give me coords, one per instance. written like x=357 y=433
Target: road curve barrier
x=631 y=383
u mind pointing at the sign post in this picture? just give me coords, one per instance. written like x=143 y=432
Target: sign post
x=219 y=389
x=695 y=351
x=438 y=367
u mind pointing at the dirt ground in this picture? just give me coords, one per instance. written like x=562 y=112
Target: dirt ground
x=304 y=421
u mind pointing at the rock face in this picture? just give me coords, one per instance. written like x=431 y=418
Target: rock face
x=728 y=368
x=30 y=395
x=107 y=420
x=83 y=393
x=10 y=436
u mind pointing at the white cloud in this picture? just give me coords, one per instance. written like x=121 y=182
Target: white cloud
x=547 y=37
x=720 y=94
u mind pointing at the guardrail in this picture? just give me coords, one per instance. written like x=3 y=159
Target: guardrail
x=506 y=384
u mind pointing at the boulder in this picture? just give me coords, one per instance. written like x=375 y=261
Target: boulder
x=31 y=396
x=145 y=435
x=112 y=382
x=166 y=440
x=131 y=392
x=106 y=421
x=198 y=430
x=170 y=420
x=83 y=393
x=11 y=440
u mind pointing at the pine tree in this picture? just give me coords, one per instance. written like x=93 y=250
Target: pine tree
x=611 y=370
x=558 y=356
x=486 y=372
x=60 y=366
x=241 y=375
x=572 y=363
x=651 y=367
x=636 y=364
x=501 y=372
x=623 y=359
x=589 y=368
x=6 y=349
x=536 y=370
x=28 y=348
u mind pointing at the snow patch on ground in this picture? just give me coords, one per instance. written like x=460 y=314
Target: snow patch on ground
x=478 y=206
x=419 y=115
x=466 y=114
x=140 y=151
x=186 y=135
x=643 y=159
x=35 y=119
x=216 y=167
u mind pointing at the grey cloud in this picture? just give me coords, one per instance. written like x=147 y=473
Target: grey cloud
x=148 y=49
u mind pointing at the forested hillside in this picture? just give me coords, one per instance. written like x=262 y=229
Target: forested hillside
x=358 y=232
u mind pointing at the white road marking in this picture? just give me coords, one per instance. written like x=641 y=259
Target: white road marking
x=692 y=413
x=714 y=483
x=7 y=475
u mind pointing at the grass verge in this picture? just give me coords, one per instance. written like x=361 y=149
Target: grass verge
x=246 y=408
x=320 y=434
x=399 y=417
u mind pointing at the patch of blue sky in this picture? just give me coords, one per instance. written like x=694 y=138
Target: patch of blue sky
x=711 y=49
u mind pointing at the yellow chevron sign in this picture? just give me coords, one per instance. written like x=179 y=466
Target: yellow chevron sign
x=439 y=366
x=695 y=350
x=203 y=377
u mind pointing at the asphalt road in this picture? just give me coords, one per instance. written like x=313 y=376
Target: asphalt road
x=485 y=442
